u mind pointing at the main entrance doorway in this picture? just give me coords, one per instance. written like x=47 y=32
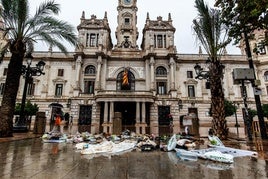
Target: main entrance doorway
x=128 y=111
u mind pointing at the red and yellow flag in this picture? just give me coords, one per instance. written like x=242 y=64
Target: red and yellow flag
x=125 y=78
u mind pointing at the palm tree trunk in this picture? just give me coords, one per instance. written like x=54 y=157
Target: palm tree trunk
x=219 y=125
x=11 y=89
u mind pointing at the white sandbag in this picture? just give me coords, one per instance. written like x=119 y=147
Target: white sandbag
x=219 y=157
x=172 y=143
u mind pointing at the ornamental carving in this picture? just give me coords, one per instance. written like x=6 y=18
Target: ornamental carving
x=111 y=71
x=140 y=71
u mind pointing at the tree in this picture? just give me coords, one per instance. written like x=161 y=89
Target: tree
x=211 y=33
x=30 y=109
x=243 y=17
x=21 y=31
x=265 y=110
x=229 y=107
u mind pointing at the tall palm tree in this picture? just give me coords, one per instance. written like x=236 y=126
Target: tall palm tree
x=22 y=31
x=212 y=35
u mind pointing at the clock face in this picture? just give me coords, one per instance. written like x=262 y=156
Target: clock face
x=127 y=1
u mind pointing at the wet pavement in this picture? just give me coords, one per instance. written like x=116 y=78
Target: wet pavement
x=31 y=158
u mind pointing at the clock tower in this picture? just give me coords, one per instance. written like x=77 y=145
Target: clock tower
x=127 y=31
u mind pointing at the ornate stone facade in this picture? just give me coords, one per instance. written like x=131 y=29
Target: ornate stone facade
x=160 y=89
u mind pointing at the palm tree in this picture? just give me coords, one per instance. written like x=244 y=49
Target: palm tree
x=212 y=35
x=21 y=31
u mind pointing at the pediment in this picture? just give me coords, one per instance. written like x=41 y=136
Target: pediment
x=160 y=25
x=191 y=81
x=59 y=80
x=92 y=22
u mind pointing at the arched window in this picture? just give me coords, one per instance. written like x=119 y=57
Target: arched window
x=161 y=71
x=89 y=80
x=266 y=76
x=161 y=80
x=125 y=81
x=90 y=70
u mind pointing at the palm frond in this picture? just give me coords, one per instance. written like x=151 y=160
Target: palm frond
x=19 y=25
x=4 y=50
x=52 y=41
x=47 y=8
x=209 y=30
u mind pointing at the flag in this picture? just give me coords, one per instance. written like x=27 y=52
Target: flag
x=125 y=77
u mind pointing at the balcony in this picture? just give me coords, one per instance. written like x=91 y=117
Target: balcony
x=146 y=96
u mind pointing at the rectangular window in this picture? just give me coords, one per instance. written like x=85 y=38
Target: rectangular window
x=30 y=89
x=127 y=22
x=2 y=88
x=87 y=41
x=154 y=41
x=189 y=74
x=5 y=72
x=261 y=48
x=161 y=88
x=93 y=42
x=60 y=72
x=267 y=89
x=89 y=87
x=191 y=91
x=59 y=89
x=159 y=41
x=165 y=41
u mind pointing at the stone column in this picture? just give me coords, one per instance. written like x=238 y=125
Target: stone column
x=78 y=69
x=154 y=119
x=105 y=116
x=172 y=73
x=143 y=114
x=105 y=112
x=99 y=62
x=152 y=62
x=111 y=116
x=147 y=73
x=138 y=120
x=77 y=75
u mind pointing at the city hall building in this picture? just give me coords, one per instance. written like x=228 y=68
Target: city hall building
x=150 y=88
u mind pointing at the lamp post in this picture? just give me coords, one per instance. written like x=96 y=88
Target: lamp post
x=257 y=97
x=27 y=72
x=247 y=118
x=236 y=105
x=240 y=75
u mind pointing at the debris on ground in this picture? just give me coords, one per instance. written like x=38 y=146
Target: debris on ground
x=185 y=150
x=185 y=146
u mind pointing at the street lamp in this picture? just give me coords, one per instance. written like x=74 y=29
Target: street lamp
x=240 y=75
x=236 y=105
x=202 y=74
x=27 y=72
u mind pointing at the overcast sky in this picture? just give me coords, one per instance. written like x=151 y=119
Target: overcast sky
x=182 y=14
